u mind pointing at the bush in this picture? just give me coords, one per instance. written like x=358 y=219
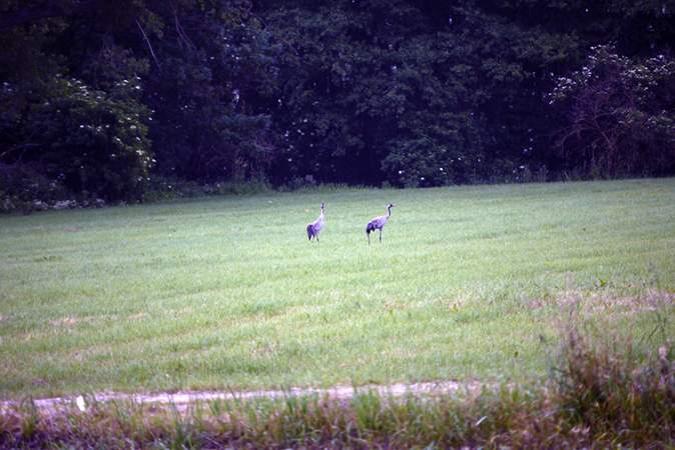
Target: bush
x=26 y=189
x=620 y=118
x=90 y=142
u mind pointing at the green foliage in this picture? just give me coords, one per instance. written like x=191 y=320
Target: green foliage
x=335 y=92
x=215 y=79
x=385 y=68
x=620 y=113
x=24 y=189
x=92 y=141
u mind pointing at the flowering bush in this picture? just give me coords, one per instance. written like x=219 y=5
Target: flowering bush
x=621 y=119
x=90 y=142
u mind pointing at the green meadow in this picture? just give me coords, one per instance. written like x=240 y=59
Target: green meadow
x=469 y=283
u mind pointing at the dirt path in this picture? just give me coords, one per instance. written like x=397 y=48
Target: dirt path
x=182 y=400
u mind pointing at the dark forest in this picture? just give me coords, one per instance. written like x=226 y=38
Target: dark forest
x=105 y=100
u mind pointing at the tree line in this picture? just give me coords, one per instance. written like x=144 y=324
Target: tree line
x=98 y=98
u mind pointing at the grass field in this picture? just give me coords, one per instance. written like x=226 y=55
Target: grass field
x=228 y=293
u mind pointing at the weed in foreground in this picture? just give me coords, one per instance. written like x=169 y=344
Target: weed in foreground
x=603 y=393
x=605 y=387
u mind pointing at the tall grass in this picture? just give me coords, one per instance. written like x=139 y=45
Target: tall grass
x=606 y=387
x=601 y=396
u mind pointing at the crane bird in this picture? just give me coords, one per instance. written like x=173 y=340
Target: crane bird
x=314 y=228
x=377 y=223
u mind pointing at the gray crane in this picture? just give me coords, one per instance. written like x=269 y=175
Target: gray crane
x=314 y=228
x=377 y=223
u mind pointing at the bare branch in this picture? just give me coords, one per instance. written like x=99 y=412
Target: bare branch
x=147 y=41
x=182 y=36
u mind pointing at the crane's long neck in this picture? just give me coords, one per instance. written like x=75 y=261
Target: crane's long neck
x=389 y=211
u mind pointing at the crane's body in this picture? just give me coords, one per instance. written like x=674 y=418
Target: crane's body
x=377 y=223
x=314 y=228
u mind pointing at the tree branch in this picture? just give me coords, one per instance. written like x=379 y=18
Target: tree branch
x=147 y=41
x=181 y=33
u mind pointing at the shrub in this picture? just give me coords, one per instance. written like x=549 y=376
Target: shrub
x=91 y=142
x=619 y=112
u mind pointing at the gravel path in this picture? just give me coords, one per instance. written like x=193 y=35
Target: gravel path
x=182 y=400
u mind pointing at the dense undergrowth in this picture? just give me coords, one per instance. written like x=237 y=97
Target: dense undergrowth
x=602 y=393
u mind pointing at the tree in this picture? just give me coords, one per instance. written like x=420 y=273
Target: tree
x=212 y=88
x=620 y=114
x=405 y=92
x=75 y=118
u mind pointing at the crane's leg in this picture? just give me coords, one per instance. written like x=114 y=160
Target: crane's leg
x=380 y=234
x=368 y=235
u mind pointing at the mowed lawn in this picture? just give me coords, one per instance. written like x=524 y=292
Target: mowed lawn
x=227 y=293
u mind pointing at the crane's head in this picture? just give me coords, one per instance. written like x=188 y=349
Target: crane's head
x=391 y=205
x=322 y=206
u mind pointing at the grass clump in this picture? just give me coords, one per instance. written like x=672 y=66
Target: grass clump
x=608 y=388
x=602 y=395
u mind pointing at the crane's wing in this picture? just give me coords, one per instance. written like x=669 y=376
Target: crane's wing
x=377 y=222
